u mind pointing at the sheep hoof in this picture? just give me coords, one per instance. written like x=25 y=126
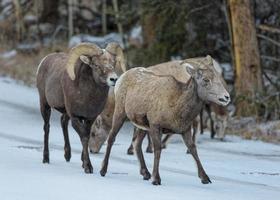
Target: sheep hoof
x=130 y=151
x=146 y=174
x=156 y=182
x=46 y=159
x=103 y=172
x=88 y=170
x=67 y=157
x=149 y=150
x=206 y=180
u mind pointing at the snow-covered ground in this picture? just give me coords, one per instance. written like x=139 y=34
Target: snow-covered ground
x=239 y=169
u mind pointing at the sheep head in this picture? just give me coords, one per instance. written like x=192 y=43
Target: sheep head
x=101 y=62
x=115 y=49
x=210 y=87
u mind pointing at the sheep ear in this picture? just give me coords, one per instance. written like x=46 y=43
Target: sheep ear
x=209 y=59
x=85 y=59
x=190 y=69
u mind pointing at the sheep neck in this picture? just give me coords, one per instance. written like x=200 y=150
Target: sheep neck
x=189 y=103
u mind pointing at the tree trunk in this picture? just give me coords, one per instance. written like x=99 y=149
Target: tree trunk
x=104 y=17
x=149 y=29
x=70 y=18
x=117 y=16
x=248 y=80
x=19 y=22
x=50 y=11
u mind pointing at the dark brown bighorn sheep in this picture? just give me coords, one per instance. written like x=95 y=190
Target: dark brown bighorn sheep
x=160 y=103
x=77 y=84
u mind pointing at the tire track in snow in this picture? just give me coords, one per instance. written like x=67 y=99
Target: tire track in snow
x=270 y=157
x=134 y=162
x=16 y=106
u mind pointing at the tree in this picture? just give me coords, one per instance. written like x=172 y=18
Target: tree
x=50 y=11
x=248 y=82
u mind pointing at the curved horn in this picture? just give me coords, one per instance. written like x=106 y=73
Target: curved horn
x=74 y=54
x=115 y=49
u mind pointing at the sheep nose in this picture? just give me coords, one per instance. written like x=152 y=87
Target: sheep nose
x=113 y=79
x=226 y=97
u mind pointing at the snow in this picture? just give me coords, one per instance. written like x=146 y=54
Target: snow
x=239 y=169
x=8 y=54
x=136 y=34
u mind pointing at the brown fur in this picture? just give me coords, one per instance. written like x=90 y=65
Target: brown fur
x=159 y=103
x=80 y=99
x=102 y=126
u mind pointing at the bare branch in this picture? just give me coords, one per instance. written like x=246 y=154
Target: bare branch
x=271 y=82
x=270 y=58
x=197 y=9
x=268 y=28
x=269 y=39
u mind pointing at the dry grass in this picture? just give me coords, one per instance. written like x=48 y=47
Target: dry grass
x=266 y=131
x=23 y=66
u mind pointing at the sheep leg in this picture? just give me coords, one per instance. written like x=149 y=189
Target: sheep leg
x=83 y=130
x=46 y=113
x=67 y=148
x=187 y=137
x=149 y=148
x=156 y=139
x=165 y=140
x=140 y=135
x=130 y=148
x=208 y=109
x=201 y=121
x=194 y=126
x=118 y=120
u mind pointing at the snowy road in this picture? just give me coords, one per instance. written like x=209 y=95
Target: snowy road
x=239 y=169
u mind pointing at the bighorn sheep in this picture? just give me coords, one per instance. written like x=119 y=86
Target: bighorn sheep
x=218 y=116
x=76 y=84
x=160 y=102
x=102 y=125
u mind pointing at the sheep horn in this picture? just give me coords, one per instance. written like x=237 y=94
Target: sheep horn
x=115 y=49
x=74 y=54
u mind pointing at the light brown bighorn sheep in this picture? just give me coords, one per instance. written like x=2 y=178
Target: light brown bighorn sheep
x=103 y=123
x=160 y=103
x=76 y=84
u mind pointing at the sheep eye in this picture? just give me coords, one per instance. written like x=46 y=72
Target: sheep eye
x=206 y=80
